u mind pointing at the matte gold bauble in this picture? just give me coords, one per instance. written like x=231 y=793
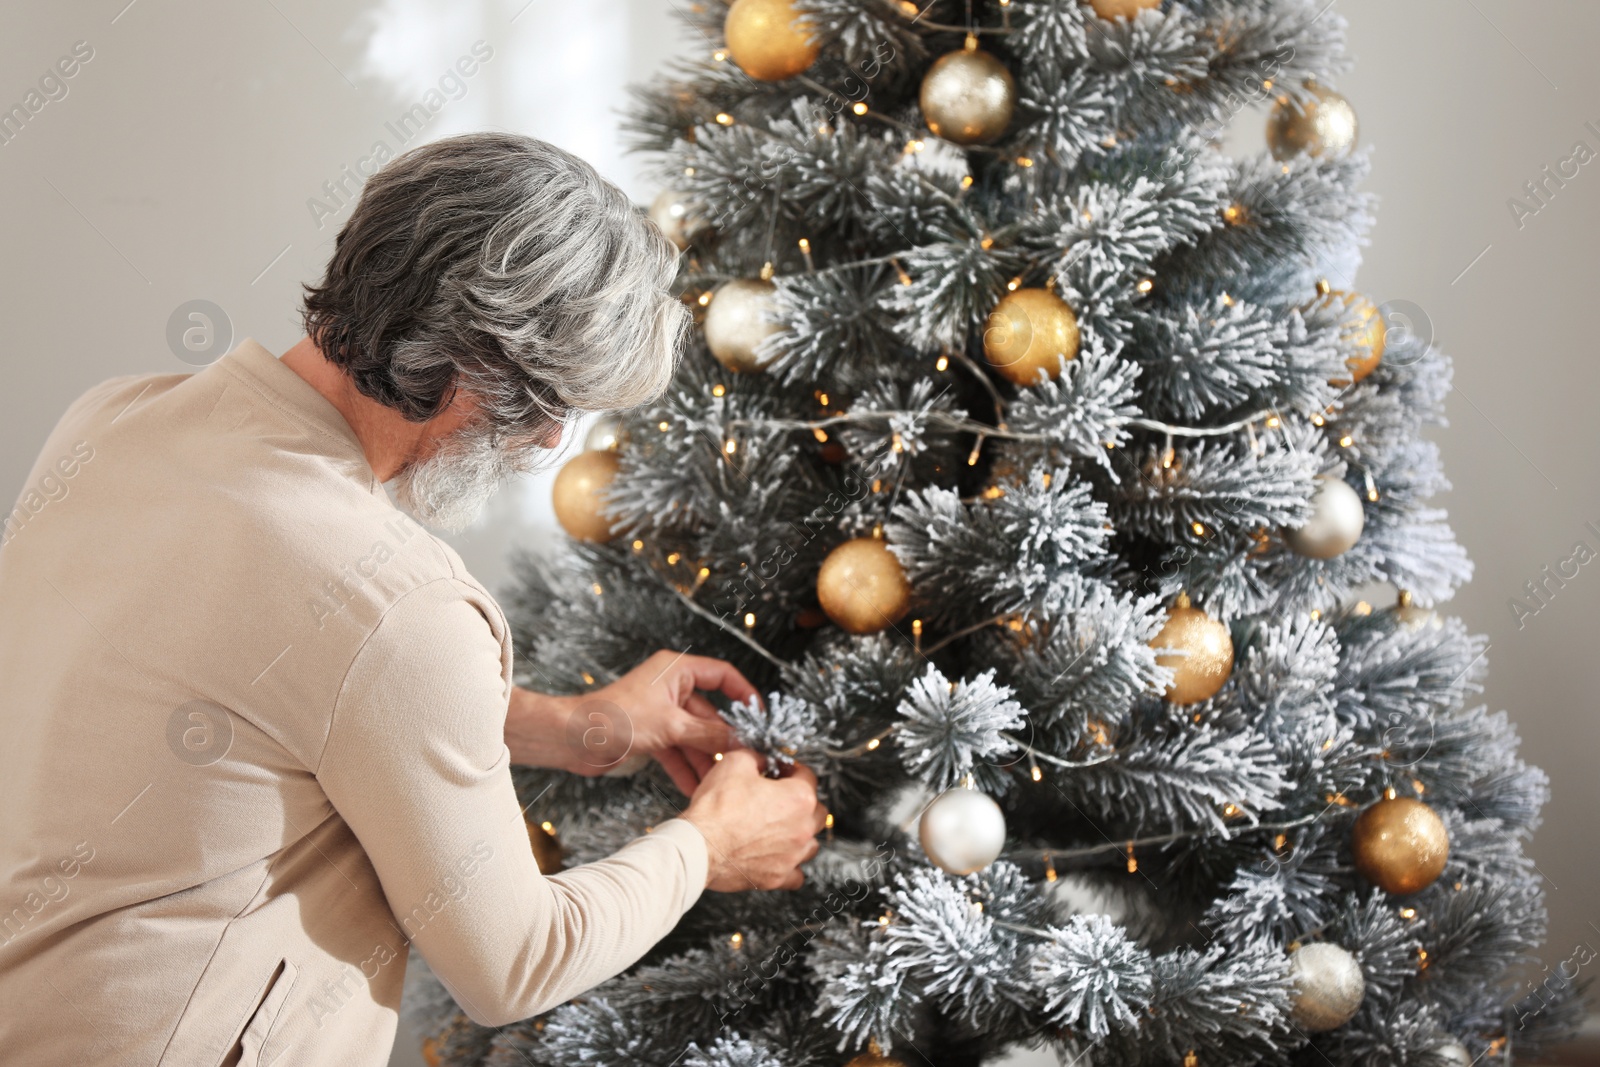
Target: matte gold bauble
x=1400 y=845
x=1337 y=519
x=1328 y=986
x=1366 y=333
x=1121 y=9
x=430 y=1052
x=968 y=96
x=874 y=1057
x=676 y=216
x=1029 y=331
x=862 y=586
x=737 y=322
x=576 y=495
x=1209 y=663
x=546 y=849
x=1323 y=125
x=769 y=39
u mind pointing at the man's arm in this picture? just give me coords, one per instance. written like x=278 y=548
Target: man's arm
x=416 y=764
x=657 y=710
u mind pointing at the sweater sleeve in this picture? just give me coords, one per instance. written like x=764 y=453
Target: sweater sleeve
x=416 y=764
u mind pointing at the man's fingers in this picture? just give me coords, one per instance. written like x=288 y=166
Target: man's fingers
x=715 y=675
x=741 y=759
x=699 y=706
x=819 y=816
x=804 y=774
x=706 y=735
x=701 y=762
x=795 y=879
x=683 y=776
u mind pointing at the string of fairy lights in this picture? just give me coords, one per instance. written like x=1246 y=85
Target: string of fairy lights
x=738 y=318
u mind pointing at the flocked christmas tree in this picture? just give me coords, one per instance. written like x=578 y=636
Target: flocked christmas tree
x=1031 y=453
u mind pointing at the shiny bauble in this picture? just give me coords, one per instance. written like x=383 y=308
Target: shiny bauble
x=1121 y=9
x=769 y=39
x=546 y=848
x=1337 y=519
x=676 y=216
x=1415 y=616
x=737 y=322
x=862 y=587
x=1328 y=986
x=1029 y=331
x=968 y=96
x=962 y=831
x=1400 y=845
x=1323 y=125
x=605 y=434
x=1366 y=333
x=577 y=495
x=1209 y=663
x=874 y=1059
x=1452 y=1052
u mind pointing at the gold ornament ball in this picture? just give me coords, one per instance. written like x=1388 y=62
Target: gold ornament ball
x=675 y=215
x=968 y=96
x=1323 y=125
x=769 y=39
x=430 y=1052
x=1121 y=9
x=1400 y=845
x=1209 y=663
x=1415 y=616
x=546 y=849
x=1367 y=333
x=862 y=587
x=576 y=495
x=1328 y=986
x=874 y=1058
x=737 y=322
x=1337 y=519
x=1029 y=331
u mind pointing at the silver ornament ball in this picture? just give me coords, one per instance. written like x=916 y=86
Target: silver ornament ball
x=737 y=322
x=963 y=831
x=1337 y=519
x=1452 y=1052
x=672 y=212
x=1328 y=986
x=967 y=97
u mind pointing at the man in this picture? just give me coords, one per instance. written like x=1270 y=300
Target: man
x=258 y=724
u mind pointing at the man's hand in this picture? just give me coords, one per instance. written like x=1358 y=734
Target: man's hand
x=656 y=709
x=758 y=830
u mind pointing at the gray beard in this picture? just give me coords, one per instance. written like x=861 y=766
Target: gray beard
x=449 y=488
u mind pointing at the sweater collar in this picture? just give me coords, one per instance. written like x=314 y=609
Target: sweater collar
x=301 y=399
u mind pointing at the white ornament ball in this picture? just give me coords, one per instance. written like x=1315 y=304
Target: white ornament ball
x=1328 y=986
x=737 y=322
x=1337 y=519
x=963 y=831
x=604 y=435
x=1453 y=1052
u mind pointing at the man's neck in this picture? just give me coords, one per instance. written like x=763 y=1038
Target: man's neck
x=388 y=438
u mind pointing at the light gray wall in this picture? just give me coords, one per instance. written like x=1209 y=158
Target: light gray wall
x=180 y=163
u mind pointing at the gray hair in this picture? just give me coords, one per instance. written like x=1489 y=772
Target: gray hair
x=501 y=265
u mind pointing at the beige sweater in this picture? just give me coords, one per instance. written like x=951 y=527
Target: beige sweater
x=252 y=722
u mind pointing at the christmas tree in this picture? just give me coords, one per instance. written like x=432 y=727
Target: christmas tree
x=1032 y=455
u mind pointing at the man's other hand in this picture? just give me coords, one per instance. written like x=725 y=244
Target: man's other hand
x=758 y=830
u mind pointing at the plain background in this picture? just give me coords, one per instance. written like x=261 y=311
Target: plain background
x=181 y=164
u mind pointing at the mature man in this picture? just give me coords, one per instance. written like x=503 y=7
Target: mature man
x=258 y=724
